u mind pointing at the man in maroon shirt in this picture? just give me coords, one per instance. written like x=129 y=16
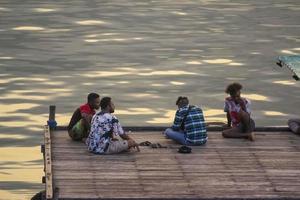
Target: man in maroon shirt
x=80 y=122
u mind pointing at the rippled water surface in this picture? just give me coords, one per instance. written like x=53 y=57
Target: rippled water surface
x=142 y=53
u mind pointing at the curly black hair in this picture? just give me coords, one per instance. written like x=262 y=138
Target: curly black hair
x=233 y=88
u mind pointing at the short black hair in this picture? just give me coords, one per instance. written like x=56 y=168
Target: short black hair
x=233 y=88
x=182 y=99
x=105 y=101
x=92 y=96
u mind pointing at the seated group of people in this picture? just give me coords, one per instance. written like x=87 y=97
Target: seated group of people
x=99 y=129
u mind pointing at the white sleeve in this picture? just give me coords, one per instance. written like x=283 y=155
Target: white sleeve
x=248 y=106
x=117 y=128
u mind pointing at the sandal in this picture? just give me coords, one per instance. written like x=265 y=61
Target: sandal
x=185 y=149
x=146 y=143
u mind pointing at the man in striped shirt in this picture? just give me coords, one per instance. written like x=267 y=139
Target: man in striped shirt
x=189 y=125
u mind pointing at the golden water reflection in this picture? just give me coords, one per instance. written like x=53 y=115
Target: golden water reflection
x=132 y=71
x=157 y=85
x=167 y=72
x=29 y=28
x=143 y=95
x=223 y=61
x=12 y=108
x=285 y=82
x=274 y=113
x=23 y=97
x=179 y=13
x=112 y=40
x=30 y=97
x=256 y=97
x=44 y=10
x=218 y=61
x=12 y=136
x=168 y=117
x=288 y=52
x=194 y=62
x=4 y=9
x=6 y=58
x=177 y=83
x=235 y=64
x=91 y=22
x=98 y=74
x=136 y=111
x=103 y=34
x=20 y=164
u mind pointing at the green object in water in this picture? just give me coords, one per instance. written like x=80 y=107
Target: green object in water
x=292 y=63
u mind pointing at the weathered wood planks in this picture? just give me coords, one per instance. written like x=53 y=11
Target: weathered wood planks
x=48 y=163
x=223 y=168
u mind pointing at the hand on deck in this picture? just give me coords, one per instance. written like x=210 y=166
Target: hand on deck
x=133 y=144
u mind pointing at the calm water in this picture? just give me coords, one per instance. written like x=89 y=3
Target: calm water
x=142 y=53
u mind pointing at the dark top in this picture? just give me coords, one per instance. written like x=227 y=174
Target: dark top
x=77 y=115
x=75 y=118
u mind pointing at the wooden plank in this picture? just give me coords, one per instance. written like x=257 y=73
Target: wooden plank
x=234 y=168
x=48 y=163
x=52 y=109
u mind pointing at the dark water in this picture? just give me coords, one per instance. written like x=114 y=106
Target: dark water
x=142 y=53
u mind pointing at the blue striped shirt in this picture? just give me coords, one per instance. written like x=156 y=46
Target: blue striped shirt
x=194 y=125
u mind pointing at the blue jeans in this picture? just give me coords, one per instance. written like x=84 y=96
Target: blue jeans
x=178 y=136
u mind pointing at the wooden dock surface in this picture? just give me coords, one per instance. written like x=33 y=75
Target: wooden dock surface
x=223 y=168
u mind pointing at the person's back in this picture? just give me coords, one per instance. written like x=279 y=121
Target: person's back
x=195 y=126
x=104 y=127
x=189 y=125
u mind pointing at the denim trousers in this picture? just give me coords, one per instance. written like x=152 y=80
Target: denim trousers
x=178 y=136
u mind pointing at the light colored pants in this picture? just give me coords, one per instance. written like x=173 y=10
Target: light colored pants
x=178 y=136
x=117 y=147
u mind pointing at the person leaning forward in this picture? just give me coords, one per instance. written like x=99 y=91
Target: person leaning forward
x=189 y=125
x=104 y=129
x=80 y=122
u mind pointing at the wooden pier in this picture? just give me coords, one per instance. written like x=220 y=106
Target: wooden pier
x=223 y=168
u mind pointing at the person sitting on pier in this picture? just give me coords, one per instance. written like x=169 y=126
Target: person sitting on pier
x=294 y=125
x=80 y=122
x=104 y=128
x=189 y=124
x=237 y=108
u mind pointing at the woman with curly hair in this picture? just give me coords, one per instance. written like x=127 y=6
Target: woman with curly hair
x=237 y=108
